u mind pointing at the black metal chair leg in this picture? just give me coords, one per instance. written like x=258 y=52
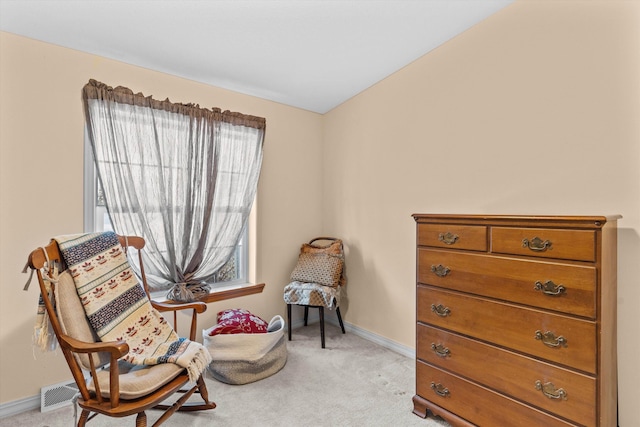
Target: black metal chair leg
x=340 y=319
x=289 y=319
x=321 y=308
x=321 y=314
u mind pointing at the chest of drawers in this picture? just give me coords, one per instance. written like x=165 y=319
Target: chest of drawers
x=516 y=320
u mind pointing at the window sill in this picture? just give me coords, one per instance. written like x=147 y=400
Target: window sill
x=235 y=291
x=222 y=293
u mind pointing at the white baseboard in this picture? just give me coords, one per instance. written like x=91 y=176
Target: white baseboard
x=381 y=341
x=331 y=317
x=18 y=406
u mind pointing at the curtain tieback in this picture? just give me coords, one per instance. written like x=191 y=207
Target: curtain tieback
x=188 y=290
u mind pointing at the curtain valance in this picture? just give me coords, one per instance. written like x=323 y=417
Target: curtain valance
x=123 y=95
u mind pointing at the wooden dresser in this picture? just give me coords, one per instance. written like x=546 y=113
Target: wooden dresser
x=516 y=320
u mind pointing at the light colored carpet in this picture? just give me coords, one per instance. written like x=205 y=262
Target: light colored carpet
x=352 y=382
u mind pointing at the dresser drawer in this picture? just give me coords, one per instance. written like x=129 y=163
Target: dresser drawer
x=510 y=373
x=579 y=245
x=565 y=340
x=473 y=402
x=557 y=286
x=472 y=237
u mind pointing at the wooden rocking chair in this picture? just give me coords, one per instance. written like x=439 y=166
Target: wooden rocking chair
x=115 y=390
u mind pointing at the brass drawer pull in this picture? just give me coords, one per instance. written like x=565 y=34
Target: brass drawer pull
x=440 y=270
x=440 y=350
x=550 y=391
x=439 y=389
x=448 y=238
x=440 y=310
x=549 y=339
x=549 y=288
x=536 y=244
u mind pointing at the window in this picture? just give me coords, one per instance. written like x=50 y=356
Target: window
x=181 y=176
x=96 y=218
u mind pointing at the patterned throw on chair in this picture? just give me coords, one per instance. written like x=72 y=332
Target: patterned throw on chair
x=118 y=308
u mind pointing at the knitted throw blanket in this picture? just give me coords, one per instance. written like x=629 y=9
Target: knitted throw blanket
x=118 y=308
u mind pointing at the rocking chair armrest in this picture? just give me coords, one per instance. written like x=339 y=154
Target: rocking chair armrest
x=198 y=306
x=116 y=348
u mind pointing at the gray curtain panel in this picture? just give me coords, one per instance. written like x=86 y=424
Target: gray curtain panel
x=181 y=176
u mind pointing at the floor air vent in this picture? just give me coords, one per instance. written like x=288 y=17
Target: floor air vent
x=57 y=395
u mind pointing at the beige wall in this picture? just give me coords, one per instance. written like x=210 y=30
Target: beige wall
x=41 y=184
x=534 y=111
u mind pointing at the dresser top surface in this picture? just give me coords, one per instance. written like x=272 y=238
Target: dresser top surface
x=590 y=221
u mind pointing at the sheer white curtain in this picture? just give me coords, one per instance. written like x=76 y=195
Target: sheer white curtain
x=181 y=176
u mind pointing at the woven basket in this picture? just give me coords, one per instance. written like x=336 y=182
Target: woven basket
x=245 y=358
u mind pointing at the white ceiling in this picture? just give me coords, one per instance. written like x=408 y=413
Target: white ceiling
x=311 y=54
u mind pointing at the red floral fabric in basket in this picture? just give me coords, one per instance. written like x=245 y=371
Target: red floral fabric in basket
x=238 y=321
